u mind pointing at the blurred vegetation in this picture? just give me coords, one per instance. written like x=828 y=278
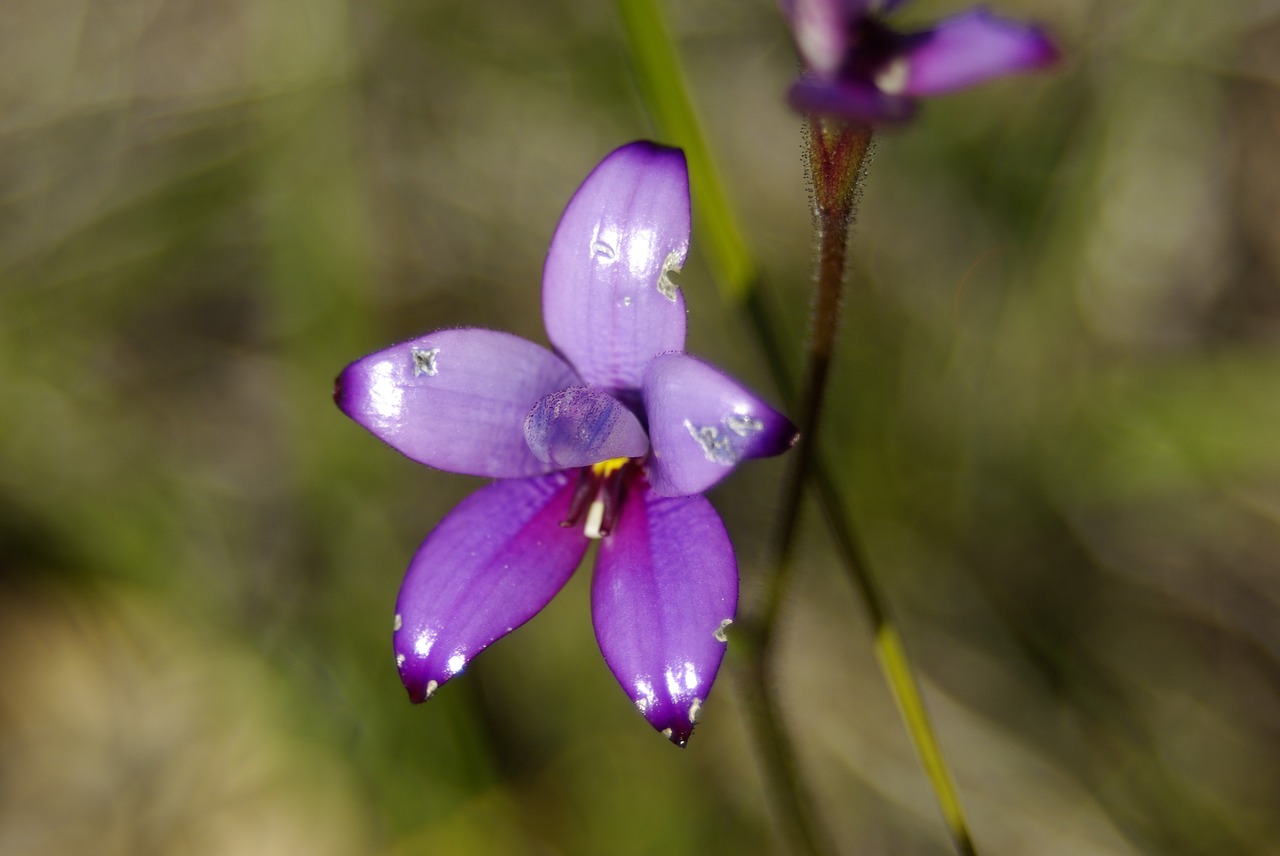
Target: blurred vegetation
x=1056 y=413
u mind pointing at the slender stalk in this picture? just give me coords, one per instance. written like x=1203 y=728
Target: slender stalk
x=895 y=664
x=836 y=158
x=659 y=75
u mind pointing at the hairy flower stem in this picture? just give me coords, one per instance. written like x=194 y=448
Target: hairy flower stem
x=836 y=159
x=837 y=154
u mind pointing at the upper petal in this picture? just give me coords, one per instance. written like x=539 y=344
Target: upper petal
x=665 y=588
x=821 y=31
x=455 y=399
x=490 y=566
x=607 y=296
x=702 y=422
x=580 y=426
x=971 y=48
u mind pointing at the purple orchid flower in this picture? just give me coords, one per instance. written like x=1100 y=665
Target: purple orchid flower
x=859 y=69
x=614 y=440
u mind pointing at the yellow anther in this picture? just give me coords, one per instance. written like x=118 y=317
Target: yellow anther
x=612 y=465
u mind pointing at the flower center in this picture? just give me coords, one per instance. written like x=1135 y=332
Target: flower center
x=599 y=494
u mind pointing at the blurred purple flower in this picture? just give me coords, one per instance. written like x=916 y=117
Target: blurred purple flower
x=613 y=439
x=857 y=68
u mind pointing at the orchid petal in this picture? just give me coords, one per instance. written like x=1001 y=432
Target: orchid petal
x=821 y=32
x=850 y=99
x=607 y=296
x=580 y=426
x=702 y=423
x=488 y=567
x=971 y=48
x=455 y=399
x=665 y=588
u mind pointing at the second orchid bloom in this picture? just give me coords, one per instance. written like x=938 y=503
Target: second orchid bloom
x=858 y=68
x=614 y=438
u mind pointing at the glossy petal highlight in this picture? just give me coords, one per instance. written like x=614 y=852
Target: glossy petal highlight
x=580 y=426
x=455 y=399
x=490 y=566
x=608 y=298
x=702 y=423
x=665 y=588
x=972 y=48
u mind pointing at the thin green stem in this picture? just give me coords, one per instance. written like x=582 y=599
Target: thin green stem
x=659 y=76
x=895 y=664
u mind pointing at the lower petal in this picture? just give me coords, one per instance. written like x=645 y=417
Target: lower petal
x=490 y=566
x=854 y=101
x=665 y=588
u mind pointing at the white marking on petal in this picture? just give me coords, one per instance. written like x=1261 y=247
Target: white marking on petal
x=666 y=732
x=892 y=79
x=604 y=246
x=694 y=710
x=595 y=516
x=384 y=393
x=399 y=660
x=666 y=285
x=424 y=362
x=719 y=633
x=456 y=662
x=398 y=623
x=432 y=686
x=715 y=446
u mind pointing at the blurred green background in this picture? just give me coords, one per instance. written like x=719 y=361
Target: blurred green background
x=1056 y=414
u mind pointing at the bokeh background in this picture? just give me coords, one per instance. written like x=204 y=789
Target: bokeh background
x=1056 y=415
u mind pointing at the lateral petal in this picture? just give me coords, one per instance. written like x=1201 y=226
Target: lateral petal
x=971 y=48
x=455 y=399
x=702 y=423
x=665 y=588
x=608 y=299
x=488 y=567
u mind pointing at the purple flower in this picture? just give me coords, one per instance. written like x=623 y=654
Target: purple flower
x=613 y=439
x=859 y=69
